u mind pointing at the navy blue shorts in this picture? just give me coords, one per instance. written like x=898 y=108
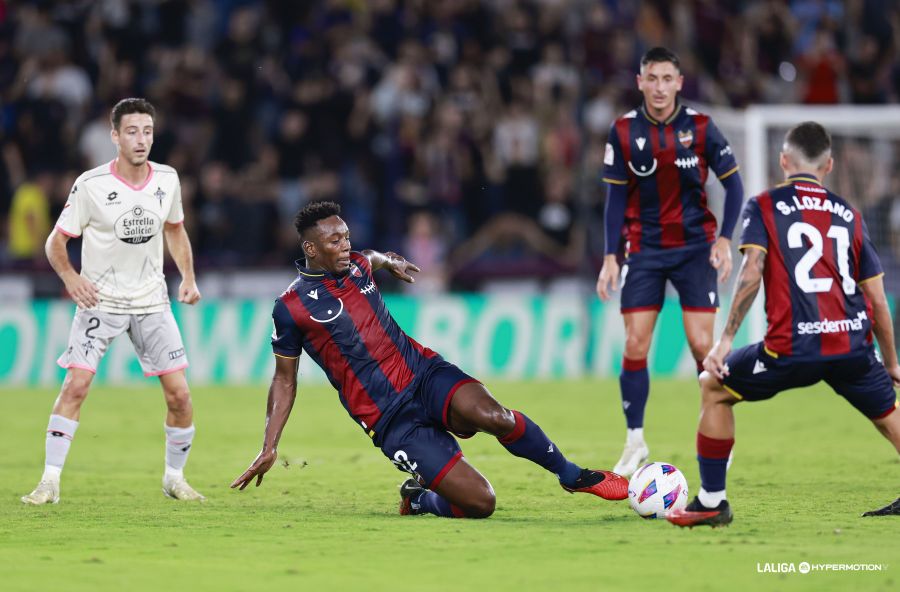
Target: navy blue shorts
x=644 y=280
x=756 y=375
x=417 y=439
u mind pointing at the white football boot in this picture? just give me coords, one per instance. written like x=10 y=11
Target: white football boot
x=46 y=492
x=634 y=455
x=178 y=488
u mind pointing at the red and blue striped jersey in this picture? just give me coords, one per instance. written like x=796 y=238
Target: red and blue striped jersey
x=818 y=251
x=343 y=324
x=665 y=165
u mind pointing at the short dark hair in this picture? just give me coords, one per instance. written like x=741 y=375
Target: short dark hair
x=129 y=106
x=660 y=54
x=314 y=211
x=810 y=138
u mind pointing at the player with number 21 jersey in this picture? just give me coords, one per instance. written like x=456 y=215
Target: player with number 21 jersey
x=818 y=250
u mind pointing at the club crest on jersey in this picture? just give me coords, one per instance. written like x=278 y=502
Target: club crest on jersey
x=160 y=194
x=686 y=138
x=354 y=271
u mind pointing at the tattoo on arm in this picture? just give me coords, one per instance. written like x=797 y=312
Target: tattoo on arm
x=745 y=289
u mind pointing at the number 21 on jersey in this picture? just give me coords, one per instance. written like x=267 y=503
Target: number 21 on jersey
x=803 y=270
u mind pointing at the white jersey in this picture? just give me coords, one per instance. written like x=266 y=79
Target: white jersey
x=121 y=226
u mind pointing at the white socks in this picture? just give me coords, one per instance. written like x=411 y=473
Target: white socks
x=178 y=446
x=60 y=431
x=634 y=435
x=711 y=499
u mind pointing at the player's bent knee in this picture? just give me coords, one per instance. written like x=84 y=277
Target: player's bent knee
x=74 y=389
x=637 y=346
x=712 y=389
x=699 y=348
x=178 y=400
x=481 y=506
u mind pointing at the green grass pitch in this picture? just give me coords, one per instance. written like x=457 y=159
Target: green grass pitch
x=806 y=465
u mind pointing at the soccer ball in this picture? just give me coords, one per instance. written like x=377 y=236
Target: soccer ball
x=656 y=488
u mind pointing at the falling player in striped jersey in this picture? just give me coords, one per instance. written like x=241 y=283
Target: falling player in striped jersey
x=404 y=396
x=824 y=299
x=121 y=210
x=657 y=161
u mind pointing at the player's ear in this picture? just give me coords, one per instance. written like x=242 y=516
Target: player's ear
x=828 y=166
x=638 y=80
x=309 y=248
x=783 y=161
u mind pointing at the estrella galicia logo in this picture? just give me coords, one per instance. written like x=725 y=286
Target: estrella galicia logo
x=137 y=226
x=113 y=195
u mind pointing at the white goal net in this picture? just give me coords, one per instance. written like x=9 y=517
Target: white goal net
x=866 y=151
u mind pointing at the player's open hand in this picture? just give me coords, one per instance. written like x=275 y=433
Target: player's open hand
x=400 y=267
x=259 y=467
x=82 y=291
x=714 y=363
x=720 y=258
x=188 y=292
x=608 y=278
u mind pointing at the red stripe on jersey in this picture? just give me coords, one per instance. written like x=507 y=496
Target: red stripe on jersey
x=668 y=185
x=425 y=352
x=358 y=400
x=701 y=122
x=831 y=304
x=633 y=207
x=377 y=341
x=779 y=313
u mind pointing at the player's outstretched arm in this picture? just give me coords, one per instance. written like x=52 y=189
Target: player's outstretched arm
x=882 y=325
x=396 y=264
x=745 y=289
x=180 y=248
x=282 y=393
x=82 y=290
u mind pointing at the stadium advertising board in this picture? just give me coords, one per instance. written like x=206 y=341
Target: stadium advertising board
x=492 y=337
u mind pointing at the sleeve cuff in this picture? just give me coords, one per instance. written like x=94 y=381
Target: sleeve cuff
x=66 y=232
x=869 y=279
x=752 y=246
x=613 y=181
x=286 y=356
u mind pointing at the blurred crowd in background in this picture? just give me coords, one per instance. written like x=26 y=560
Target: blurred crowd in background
x=465 y=134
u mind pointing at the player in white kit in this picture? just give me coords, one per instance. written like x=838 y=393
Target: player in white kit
x=121 y=210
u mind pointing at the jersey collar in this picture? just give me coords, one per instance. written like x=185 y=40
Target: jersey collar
x=317 y=274
x=112 y=169
x=804 y=177
x=671 y=118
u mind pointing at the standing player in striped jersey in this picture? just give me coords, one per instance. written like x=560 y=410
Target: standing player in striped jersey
x=404 y=396
x=656 y=165
x=122 y=210
x=824 y=298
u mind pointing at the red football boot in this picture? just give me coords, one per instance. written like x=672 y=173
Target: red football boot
x=605 y=484
x=696 y=514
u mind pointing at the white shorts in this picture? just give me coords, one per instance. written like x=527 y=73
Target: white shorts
x=155 y=337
